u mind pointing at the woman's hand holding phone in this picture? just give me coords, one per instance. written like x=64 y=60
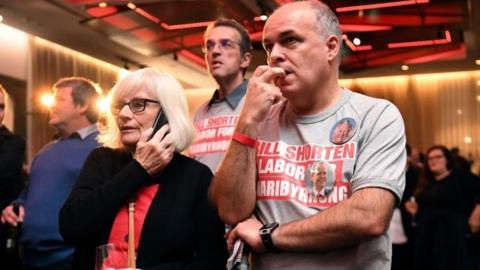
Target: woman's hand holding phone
x=159 y=122
x=155 y=148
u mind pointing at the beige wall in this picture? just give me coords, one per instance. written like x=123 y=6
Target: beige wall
x=441 y=108
x=196 y=97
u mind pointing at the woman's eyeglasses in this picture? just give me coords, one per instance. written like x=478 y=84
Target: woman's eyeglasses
x=135 y=105
x=435 y=157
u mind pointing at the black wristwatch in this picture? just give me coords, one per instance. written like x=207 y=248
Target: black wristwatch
x=266 y=235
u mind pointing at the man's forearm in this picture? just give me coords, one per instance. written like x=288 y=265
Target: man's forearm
x=233 y=188
x=365 y=215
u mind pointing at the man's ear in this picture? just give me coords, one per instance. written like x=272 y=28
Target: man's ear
x=246 y=58
x=333 y=47
x=82 y=109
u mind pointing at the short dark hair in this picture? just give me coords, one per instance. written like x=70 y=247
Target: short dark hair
x=84 y=92
x=245 y=42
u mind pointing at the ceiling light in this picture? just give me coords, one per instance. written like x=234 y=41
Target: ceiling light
x=131 y=6
x=467 y=139
x=262 y=18
x=477 y=62
x=405 y=67
x=102 y=4
x=353 y=47
x=478 y=98
x=459 y=111
x=184 y=25
x=356 y=41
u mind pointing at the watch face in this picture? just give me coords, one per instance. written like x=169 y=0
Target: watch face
x=267 y=228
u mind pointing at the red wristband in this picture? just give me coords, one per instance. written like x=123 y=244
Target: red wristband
x=243 y=139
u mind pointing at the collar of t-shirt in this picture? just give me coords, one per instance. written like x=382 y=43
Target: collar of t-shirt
x=310 y=119
x=84 y=132
x=233 y=98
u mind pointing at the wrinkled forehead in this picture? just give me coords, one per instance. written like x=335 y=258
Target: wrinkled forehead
x=288 y=19
x=222 y=32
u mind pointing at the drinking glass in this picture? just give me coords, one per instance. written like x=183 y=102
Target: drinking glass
x=110 y=257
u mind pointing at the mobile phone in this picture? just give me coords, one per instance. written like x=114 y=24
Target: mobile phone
x=159 y=122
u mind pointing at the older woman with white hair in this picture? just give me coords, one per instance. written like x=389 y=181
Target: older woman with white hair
x=142 y=188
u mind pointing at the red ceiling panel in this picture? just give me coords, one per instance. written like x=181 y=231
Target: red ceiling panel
x=191 y=40
x=168 y=44
x=86 y=2
x=101 y=12
x=121 y=21
x=387 y=57
x=192 y=57
x=455 y=54
x=401 y=20
x=380 y=4
x=364 y=28
x=168 y=26
x=146 y=34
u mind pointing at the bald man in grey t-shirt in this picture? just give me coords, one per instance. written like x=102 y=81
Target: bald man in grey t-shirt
x=295 y=115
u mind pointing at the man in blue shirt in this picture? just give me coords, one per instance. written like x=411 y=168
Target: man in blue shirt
x=53 y=173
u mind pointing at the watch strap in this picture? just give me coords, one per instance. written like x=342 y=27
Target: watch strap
x=266 y=236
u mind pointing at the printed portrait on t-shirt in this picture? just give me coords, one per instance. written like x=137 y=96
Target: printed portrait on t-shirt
x=320 y=178
x=343 y=131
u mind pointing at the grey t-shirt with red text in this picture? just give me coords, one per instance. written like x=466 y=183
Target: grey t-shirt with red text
x=361 y=142
x=214 y=124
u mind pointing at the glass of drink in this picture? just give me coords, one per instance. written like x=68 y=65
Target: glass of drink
x=110 y=257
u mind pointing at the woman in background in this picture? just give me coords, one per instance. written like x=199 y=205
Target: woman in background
x=175 y=227
x=444 y=201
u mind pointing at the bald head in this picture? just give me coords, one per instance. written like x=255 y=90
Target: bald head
x=325 y=19
x=320 y=15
